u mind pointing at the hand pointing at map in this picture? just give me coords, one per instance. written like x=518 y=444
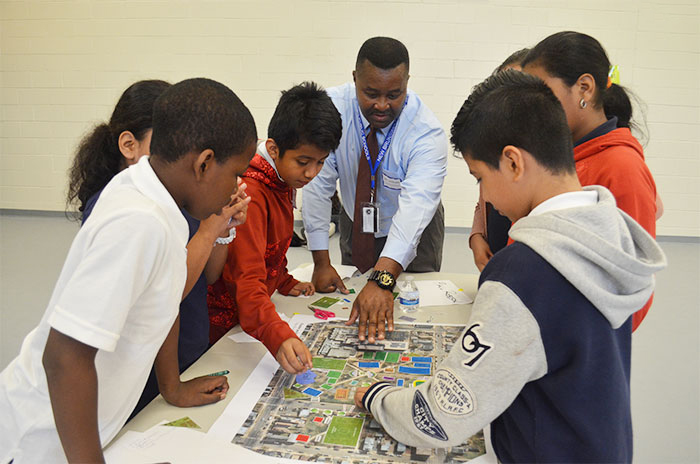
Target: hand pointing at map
x=294 y=356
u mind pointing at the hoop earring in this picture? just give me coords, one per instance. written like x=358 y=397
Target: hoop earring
x=582 y=103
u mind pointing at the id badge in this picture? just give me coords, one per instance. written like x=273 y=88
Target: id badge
x=370 y=218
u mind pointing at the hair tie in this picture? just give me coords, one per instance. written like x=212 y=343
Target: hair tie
x=613 y=75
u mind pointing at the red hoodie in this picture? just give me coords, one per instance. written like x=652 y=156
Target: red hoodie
x=257 y=265
x=616 y=161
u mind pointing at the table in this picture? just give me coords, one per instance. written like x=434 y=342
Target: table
x=241 y=358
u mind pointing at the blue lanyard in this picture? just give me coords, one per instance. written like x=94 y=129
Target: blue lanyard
x=382 y=151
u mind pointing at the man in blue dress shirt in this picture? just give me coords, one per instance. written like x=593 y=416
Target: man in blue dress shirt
x=391 y=163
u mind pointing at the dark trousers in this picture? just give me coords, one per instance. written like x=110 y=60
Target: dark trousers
x=429 y=257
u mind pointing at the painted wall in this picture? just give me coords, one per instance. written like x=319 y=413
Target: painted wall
x=63 y=64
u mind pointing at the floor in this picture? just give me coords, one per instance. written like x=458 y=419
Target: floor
x=666 y=348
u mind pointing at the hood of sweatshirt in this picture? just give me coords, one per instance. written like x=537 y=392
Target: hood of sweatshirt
x=600 y=250
x=618 y=137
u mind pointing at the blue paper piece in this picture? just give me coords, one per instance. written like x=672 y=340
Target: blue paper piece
x=414 y=370
x=311 y=391
x=306 y=378
x=368 y=364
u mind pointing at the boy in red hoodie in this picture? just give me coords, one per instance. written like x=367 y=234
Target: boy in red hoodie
x=304 y=129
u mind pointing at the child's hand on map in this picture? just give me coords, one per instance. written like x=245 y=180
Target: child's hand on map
x=359 y=394
x=294 y=356
x=302 y=288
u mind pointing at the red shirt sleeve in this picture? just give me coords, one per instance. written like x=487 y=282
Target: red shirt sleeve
x=245 y=275
x=286 y=281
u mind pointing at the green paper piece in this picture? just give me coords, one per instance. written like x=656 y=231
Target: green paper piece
x=380 y=355
x=325 y=302
x=325 y=386
x=329 y=363
x=290 y=394
x=185 y=422
x=334 y=374
x=393 y=357
x=344 y=431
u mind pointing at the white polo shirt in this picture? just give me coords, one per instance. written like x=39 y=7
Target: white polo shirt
x=119 y=291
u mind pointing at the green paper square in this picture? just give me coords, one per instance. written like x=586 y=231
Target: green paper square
x=392 y=357
x=344 y=431
x=329 y=363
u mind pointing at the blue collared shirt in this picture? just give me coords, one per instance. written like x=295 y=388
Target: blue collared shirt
x=409 y=180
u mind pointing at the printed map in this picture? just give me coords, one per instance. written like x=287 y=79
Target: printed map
x=318 y=421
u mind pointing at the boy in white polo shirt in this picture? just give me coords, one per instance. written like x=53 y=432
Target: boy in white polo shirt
x=81 y=371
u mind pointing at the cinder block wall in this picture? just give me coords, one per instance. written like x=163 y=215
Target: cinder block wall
x=63 y=65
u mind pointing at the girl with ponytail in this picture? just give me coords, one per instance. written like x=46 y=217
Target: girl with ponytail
x=115 y=145
x=599 y=114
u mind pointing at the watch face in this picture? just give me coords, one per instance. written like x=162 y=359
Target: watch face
x=386 y=279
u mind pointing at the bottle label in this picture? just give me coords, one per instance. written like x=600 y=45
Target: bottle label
x=407 y=302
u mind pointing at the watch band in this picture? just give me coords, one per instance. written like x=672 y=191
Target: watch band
x=384 y=279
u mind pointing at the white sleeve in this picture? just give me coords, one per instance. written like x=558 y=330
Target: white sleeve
x=497 y=354
x=419 y=197
x=316 y=205
x=119 y=262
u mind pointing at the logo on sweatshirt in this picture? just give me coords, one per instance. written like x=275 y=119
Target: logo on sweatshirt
x=451 y=395
x=473 y=347
x=424 y=420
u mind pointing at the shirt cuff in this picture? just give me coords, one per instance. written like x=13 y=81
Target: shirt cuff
x=83 y=331
x=317 y=240
x=371 y=394
x=399 y=253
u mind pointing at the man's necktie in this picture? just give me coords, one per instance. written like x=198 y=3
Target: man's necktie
x=363 y=243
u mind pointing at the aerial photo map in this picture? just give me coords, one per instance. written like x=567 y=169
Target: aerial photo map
x=312 y=417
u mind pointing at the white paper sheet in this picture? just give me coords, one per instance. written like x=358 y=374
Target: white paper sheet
x=304 y=271
x=242 y=337
x=237 y=410
x=179 y=445
x=440 y=293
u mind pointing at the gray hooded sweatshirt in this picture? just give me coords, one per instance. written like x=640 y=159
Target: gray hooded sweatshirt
x=545 y=356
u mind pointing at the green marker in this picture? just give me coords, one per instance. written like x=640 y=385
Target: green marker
x=226 y=372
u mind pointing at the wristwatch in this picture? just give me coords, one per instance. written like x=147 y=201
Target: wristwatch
x=384 y=279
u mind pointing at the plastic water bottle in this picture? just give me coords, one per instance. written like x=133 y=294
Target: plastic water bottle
x=409 y=297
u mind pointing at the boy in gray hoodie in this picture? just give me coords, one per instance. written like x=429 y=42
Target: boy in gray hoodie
x=545 y=356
